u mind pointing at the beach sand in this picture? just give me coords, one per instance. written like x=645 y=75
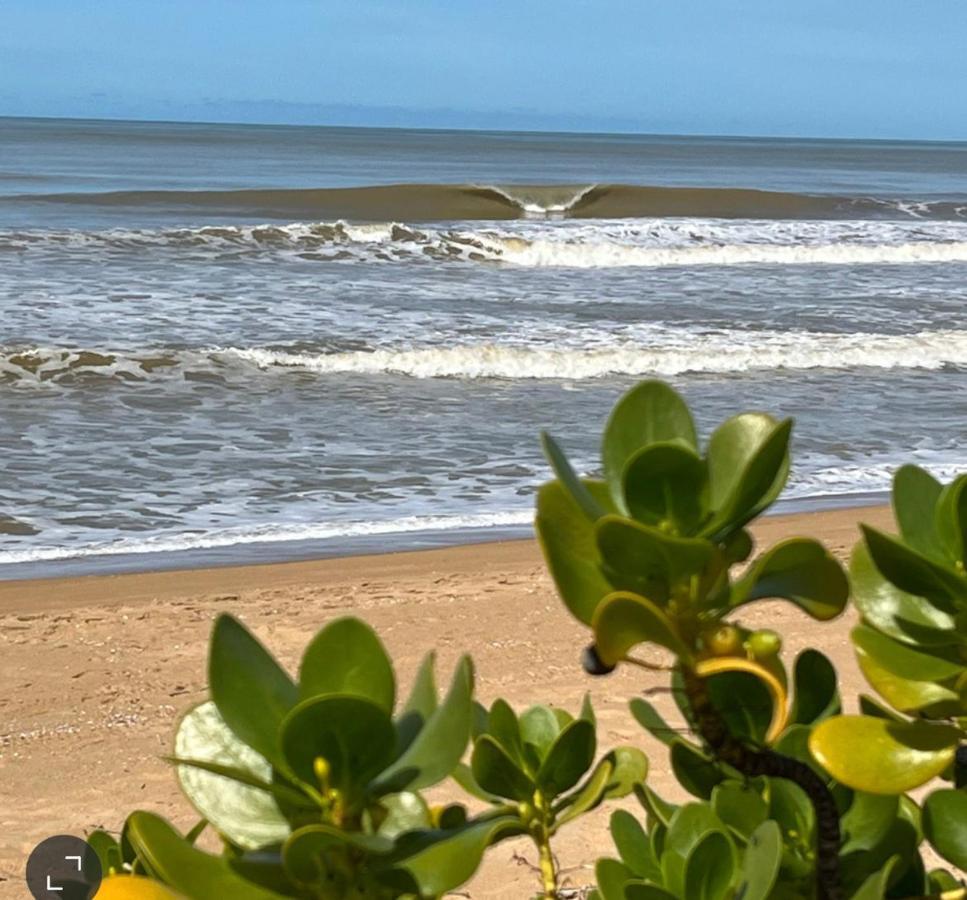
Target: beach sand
x=96 y=671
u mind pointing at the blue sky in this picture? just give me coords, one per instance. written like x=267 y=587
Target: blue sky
x=824 y=68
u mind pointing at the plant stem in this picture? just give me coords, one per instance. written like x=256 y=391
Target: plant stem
x=548 y=869
x=754 y=762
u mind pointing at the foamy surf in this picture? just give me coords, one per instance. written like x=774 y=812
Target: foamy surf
x=667 y=353
x=534 y=244
x=269 y=534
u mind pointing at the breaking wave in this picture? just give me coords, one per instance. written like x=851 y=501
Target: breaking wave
x=674 y=353
x=449 y=202
x=655 y=244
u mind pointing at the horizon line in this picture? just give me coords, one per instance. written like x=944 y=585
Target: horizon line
x=472 y=130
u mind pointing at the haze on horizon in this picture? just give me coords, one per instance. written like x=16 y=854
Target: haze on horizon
x=806 y=68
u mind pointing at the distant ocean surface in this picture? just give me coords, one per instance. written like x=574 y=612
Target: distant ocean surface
x=236 y=343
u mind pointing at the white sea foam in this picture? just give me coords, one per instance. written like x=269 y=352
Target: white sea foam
x=666 y=353
x=721 y=353
x=544 y=253
x=644 y=243
x=268 y=534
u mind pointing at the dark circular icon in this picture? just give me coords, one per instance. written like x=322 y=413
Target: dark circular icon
x=63 y=868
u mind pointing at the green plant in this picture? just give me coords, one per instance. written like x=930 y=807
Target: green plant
x=313 y=786
x=645 y=556
x=879 y=855
x=911 y=590
x=543 y=762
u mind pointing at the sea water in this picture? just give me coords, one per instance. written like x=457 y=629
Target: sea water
x=226 y=343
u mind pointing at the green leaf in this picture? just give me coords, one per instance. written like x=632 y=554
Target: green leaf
x=914 y=573
x=569 y=479
x=880 y=756
x=897 y=613
x=739 y=806
x=709 y=868
x=870 y=706
x=108 y=852
x=463 y=775
x=421 y=704
x=405 y=811
x=666 y=483
x=439 y=862
x=760 y=864
x=539 y=728
x=197 y=875
x=504 y=728
x=251 y=690
x=915 y=496
x=630 y=771
x=650 y=413
x=625 y=620
x=659 y=811
x=633 y=846
x=570 y=756
x=689 y=825
x=651 y=720
x=791 y=809
x=637 y=891
x=435 y=751
x=354 y=736
x=589 y=795
x=906 y=677
x=748 y=463
x=497 y=773
x=868 y=821
x=799 y=570
x=347 y=658
x=305 y=850
x=904 y=694
x=567 y=539
x=945 y=825
x=611 y=877
x=646 y=560
x=247 y=815
x=952 y=519
x=794 y=743
x=743 y=701
x=816 y=688
x=875 y=887
x=695 y=771
x=940 y=880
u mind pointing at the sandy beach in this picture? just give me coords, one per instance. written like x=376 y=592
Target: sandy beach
x=97 y=670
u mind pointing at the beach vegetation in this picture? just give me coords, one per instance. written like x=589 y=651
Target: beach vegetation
x=543 y=762
x=911 y=644
x=315 y=786
x=656 y=559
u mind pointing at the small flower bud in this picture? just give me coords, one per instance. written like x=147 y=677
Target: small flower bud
x=764 y=644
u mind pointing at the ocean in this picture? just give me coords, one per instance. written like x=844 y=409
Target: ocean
x=226 y=344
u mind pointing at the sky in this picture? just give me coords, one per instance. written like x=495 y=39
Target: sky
x=808 y=68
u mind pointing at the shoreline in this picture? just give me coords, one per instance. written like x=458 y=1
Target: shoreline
x=97 y=671
x=280 y=552
x=53 y=592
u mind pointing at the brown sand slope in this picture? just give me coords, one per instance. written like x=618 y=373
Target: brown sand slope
x=95 y=671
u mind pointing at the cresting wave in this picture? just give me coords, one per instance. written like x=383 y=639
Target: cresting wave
x=450 y=202
x=727 y=352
